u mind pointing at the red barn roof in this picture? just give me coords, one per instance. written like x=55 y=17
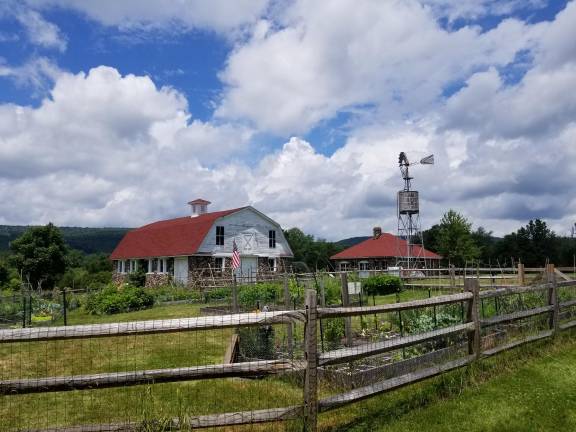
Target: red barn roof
x=174 y=237
x=385 y=246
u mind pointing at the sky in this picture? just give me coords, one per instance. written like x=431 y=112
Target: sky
x=119 y=112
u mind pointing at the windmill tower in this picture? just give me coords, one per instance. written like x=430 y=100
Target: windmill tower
x=409 y=217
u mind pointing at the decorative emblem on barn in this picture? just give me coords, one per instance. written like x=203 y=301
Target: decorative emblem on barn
x=248 y=240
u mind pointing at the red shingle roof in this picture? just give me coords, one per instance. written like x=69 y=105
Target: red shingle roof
x=383 y=247
x=174 y=237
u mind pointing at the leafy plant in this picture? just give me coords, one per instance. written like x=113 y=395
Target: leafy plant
x=258 y=295
x=382 y=284
x=113 y=300
x=334 y=332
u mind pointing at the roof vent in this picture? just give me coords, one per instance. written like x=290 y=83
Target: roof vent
x=376 y=232
x=199 y=207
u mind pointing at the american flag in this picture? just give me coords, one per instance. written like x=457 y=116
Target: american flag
x=235 y=256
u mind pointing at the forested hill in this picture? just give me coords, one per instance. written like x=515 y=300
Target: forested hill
x=352 y=241
x=89 y=240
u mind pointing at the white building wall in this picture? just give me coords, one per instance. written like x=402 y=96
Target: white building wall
x=250 y=230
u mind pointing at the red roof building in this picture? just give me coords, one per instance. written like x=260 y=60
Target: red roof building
x=380 y=252
x=190 y=248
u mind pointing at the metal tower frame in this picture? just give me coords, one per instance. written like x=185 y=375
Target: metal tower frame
x=408 y=213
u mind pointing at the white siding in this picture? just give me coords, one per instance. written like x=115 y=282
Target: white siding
x=250 y=230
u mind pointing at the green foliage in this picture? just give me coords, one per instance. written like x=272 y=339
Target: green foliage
x=81 y=279
x=165 y=293
x=334 y=331
x=113 y=300
x=40 y=254
x=455 y=241
x=218 y=294
x=332 y=291
x=531 y=244
x=10 y=311
x=137 y=278
x=309 y=253
x=4 y=274
x=382 y=284
x=261 y=294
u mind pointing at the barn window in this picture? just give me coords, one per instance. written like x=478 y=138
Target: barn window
x=219 y=236
x=272 y=264
x=363 y=265
x=272 y=238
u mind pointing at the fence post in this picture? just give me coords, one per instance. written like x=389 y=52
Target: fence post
x=452 y=274
x=288 y=306
x=64 y=306
x=472 y=285
x=235 y=308
x=346 y=303
x=521 y=275
x=311 y=374
x=553 y=297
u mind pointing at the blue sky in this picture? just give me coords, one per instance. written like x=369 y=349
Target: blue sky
x=118 y=112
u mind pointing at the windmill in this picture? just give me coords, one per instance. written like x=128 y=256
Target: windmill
x=409 y=217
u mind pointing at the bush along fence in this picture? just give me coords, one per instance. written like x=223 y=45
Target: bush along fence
x=318 y=358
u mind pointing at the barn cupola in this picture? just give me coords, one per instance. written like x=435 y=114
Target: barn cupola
x=198 y=207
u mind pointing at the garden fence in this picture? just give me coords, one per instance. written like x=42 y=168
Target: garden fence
x=281 y=368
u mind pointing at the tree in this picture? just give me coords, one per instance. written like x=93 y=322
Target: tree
x=485 y=243
x=309 y=254
x=531 y=244
x=455 y=241
x=4 y=274
x=40 y=255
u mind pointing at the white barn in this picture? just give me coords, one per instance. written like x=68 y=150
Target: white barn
x=200 y=245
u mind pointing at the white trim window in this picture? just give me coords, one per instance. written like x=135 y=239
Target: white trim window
x=363 y=266
x=219 y=235
x=272 y=239
x=219 y=263
x=344 y=266
x=272 y=264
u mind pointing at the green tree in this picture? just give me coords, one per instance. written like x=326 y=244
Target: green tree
x=4 y=274
x=532 y=244
x=309 y=253
x=455 y=241
x=40 y=255
x=485 y=242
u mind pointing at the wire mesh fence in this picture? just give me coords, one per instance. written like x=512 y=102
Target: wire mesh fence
x=300 y=346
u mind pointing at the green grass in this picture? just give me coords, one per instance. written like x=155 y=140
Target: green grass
x=527 y=389
x=135 y=352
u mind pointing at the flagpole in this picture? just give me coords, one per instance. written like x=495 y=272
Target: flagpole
x=234 y=293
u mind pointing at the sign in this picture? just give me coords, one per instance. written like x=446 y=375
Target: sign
x=353 y=288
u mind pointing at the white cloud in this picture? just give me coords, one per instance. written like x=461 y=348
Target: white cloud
x=38 y=73
x=218 y=15
x=106 y=148
x=41 y=32
x=327 y=57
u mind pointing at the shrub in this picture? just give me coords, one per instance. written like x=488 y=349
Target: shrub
x=138 y=278
x=113 y=300
x=334 y=331
x=217 y=294
x=252 y=296
x=382 y=284
x=165 y=293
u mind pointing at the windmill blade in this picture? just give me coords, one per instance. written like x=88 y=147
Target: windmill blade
x=428 y=160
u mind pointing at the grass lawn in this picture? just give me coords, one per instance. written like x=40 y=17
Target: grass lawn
x=527 y=389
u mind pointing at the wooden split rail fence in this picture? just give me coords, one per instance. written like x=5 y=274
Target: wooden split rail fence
x=311 y=405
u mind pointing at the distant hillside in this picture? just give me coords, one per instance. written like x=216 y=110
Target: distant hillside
x=89 y=240
x=346 y=243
